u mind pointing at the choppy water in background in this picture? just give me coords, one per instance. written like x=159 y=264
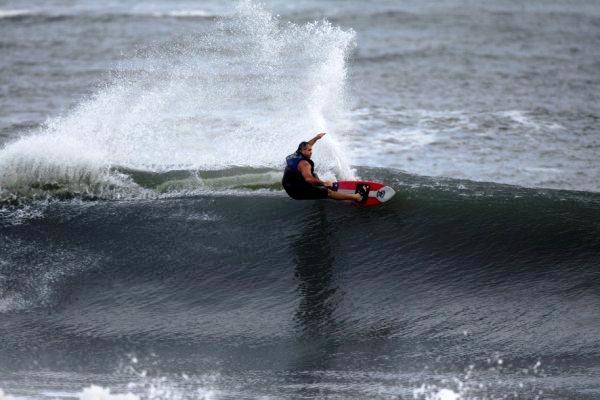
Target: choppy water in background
x=146 y=246
x=505 y=92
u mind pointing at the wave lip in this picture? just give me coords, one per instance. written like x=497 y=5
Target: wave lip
x=9 y=14
x=46 y=164
x=38 y=179
x=35 y=15
x=184 y=14
x=46 y=15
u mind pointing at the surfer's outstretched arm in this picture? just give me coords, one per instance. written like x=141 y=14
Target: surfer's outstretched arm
x=314 y=140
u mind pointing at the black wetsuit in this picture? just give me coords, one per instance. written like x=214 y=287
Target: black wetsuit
x=294 y=184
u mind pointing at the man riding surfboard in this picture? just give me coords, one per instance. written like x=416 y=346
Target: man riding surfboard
x=302 y=183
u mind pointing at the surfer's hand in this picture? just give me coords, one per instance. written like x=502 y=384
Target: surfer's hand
x=328 y=183
x=314 y=140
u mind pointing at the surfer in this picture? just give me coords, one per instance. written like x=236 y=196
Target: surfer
x=302 y=183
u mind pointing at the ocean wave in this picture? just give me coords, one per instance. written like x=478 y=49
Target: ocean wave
x=27 y=183
x=184 y=14
x=35 y=16
x=42 y=15
x=446 y=274
x=466 y=234
x=10 y=14
x=402 y=56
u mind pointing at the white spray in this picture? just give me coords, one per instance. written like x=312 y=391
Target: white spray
x=243 y=96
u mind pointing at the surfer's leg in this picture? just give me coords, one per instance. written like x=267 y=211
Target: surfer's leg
x=343 y=196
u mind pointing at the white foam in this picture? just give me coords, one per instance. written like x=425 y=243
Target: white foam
x=154 y=389
x=4 y=396
x=446 y=394
x=427 y=392
x=11 y=303
x=100 y=393
x=22 y=214
x=189 y=14
x=14 y=13
x=520 y=117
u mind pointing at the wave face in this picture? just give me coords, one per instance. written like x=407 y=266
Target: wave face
x=446 y=277
x=172 y=109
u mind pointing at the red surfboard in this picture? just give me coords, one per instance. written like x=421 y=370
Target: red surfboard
x=377 y=193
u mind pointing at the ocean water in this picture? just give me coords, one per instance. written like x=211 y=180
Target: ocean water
x=147 y=250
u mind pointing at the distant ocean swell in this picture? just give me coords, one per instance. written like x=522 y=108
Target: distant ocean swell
x=41 y=16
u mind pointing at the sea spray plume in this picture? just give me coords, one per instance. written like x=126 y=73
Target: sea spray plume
x=312 y=58
x=238 y=97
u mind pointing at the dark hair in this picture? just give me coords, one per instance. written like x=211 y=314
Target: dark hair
x=301 y=147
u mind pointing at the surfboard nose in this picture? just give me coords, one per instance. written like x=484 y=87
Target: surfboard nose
x=385 y=193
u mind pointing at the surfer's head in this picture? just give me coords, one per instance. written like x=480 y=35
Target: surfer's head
x=305 y=149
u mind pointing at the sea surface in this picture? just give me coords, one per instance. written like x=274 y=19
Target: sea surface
x=148 y=251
